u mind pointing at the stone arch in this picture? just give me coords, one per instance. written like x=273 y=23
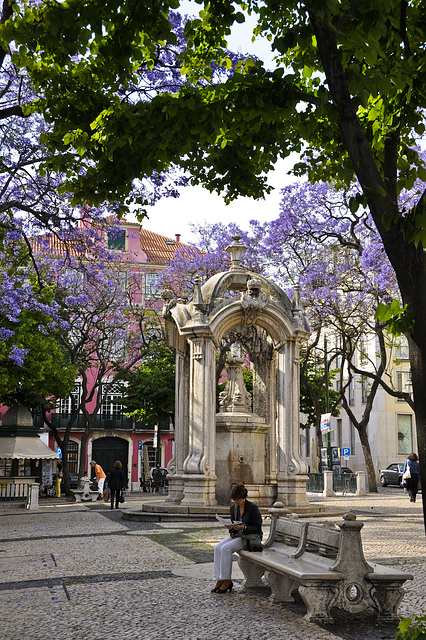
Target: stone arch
x=241 y=304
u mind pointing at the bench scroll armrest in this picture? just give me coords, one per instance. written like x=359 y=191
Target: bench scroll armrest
x=276 y=510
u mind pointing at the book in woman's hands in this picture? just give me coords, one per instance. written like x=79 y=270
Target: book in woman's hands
x=225 y=522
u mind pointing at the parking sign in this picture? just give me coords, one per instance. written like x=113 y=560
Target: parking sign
x=346 y=452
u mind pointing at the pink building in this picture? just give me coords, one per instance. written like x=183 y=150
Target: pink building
x=142 y=255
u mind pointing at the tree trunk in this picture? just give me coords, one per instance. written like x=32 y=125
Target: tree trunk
x=83 y=449
x=369 y=465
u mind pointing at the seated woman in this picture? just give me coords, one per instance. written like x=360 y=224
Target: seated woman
x=241 y=511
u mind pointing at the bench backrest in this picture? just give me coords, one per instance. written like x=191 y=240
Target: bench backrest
x=323 y=538
x=341 y=543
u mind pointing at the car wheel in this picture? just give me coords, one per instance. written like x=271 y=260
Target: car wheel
x=383 y=481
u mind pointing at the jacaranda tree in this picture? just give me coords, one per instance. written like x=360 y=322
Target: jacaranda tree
x=348 y=92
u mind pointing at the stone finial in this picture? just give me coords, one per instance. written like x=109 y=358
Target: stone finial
x=296 y=298
x=236 y=250
x=349 y=516
x=169 y=302
x=197 y=299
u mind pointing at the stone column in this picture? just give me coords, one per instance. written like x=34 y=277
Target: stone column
x=181 y=445
x=292 y=469
x=199 y=465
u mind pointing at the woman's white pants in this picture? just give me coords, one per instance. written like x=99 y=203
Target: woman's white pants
x=223 y=557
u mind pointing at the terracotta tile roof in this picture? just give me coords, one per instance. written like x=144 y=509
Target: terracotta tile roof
x=50 y=244
x=159 y=249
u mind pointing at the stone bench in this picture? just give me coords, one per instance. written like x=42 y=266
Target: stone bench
x=325 y=564
x=83 y=493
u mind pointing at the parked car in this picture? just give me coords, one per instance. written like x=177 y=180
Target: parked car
x=345 y=470
x=391 y=475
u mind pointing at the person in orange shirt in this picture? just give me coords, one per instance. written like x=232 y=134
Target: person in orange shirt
x=100 y=478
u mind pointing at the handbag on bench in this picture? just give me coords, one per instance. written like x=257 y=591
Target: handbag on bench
x=251 y=542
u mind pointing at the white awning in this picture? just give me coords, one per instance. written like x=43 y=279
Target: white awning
x=31 y=448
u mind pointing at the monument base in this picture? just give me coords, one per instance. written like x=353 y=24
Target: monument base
x=198 y=490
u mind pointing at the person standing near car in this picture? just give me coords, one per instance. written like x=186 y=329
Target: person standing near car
x=116 y=483
x=412 y=474
x=100 y=478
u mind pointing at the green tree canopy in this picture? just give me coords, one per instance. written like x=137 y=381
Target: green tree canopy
x=150 y=392
x=348 y=91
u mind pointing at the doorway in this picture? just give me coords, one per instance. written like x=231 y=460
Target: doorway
x=107 y=450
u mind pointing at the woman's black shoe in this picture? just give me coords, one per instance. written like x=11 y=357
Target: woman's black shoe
x=228 y=588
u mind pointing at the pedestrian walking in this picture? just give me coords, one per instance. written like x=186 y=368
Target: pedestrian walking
x=116 y=483
x=100 y=478
x=411 y=475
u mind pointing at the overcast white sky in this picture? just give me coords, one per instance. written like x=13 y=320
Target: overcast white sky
x=171 y=216
x=174 y=215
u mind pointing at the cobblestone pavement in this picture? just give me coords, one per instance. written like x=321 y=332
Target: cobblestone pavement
x=80 y=571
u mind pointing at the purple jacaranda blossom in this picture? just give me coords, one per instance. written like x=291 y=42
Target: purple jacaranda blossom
x=18 y=354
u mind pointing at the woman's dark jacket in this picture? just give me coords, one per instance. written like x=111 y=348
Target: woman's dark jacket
x=414 y=466
x=116 y=479
x=251 y=517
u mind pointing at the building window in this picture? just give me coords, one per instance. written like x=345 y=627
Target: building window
x=405 y=434
x=111 y=406
x=351 y=392
x=6 y=467
x=339 y=345
x=402 y=383
x=352 y=434
x=363 y=350
x=71 y=402
x=151 y=455
x=117 y=239
x=72 y=456
x=365 y=389
x=339 y=432
x=151 y=284
x=72 y=279
x=122 y=280
x=401 y=348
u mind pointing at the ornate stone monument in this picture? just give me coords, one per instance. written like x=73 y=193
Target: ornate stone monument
x=251 y=440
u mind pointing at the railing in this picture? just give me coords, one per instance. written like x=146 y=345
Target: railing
x=342 y=482
x=116 y=422
x=315 y=483
x=61 y=420
x=14 y=492
x=143 y=426
x=101 y=422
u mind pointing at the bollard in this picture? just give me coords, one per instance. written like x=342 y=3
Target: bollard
x=328 y=484
x=32 y=502
x=360 y=483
